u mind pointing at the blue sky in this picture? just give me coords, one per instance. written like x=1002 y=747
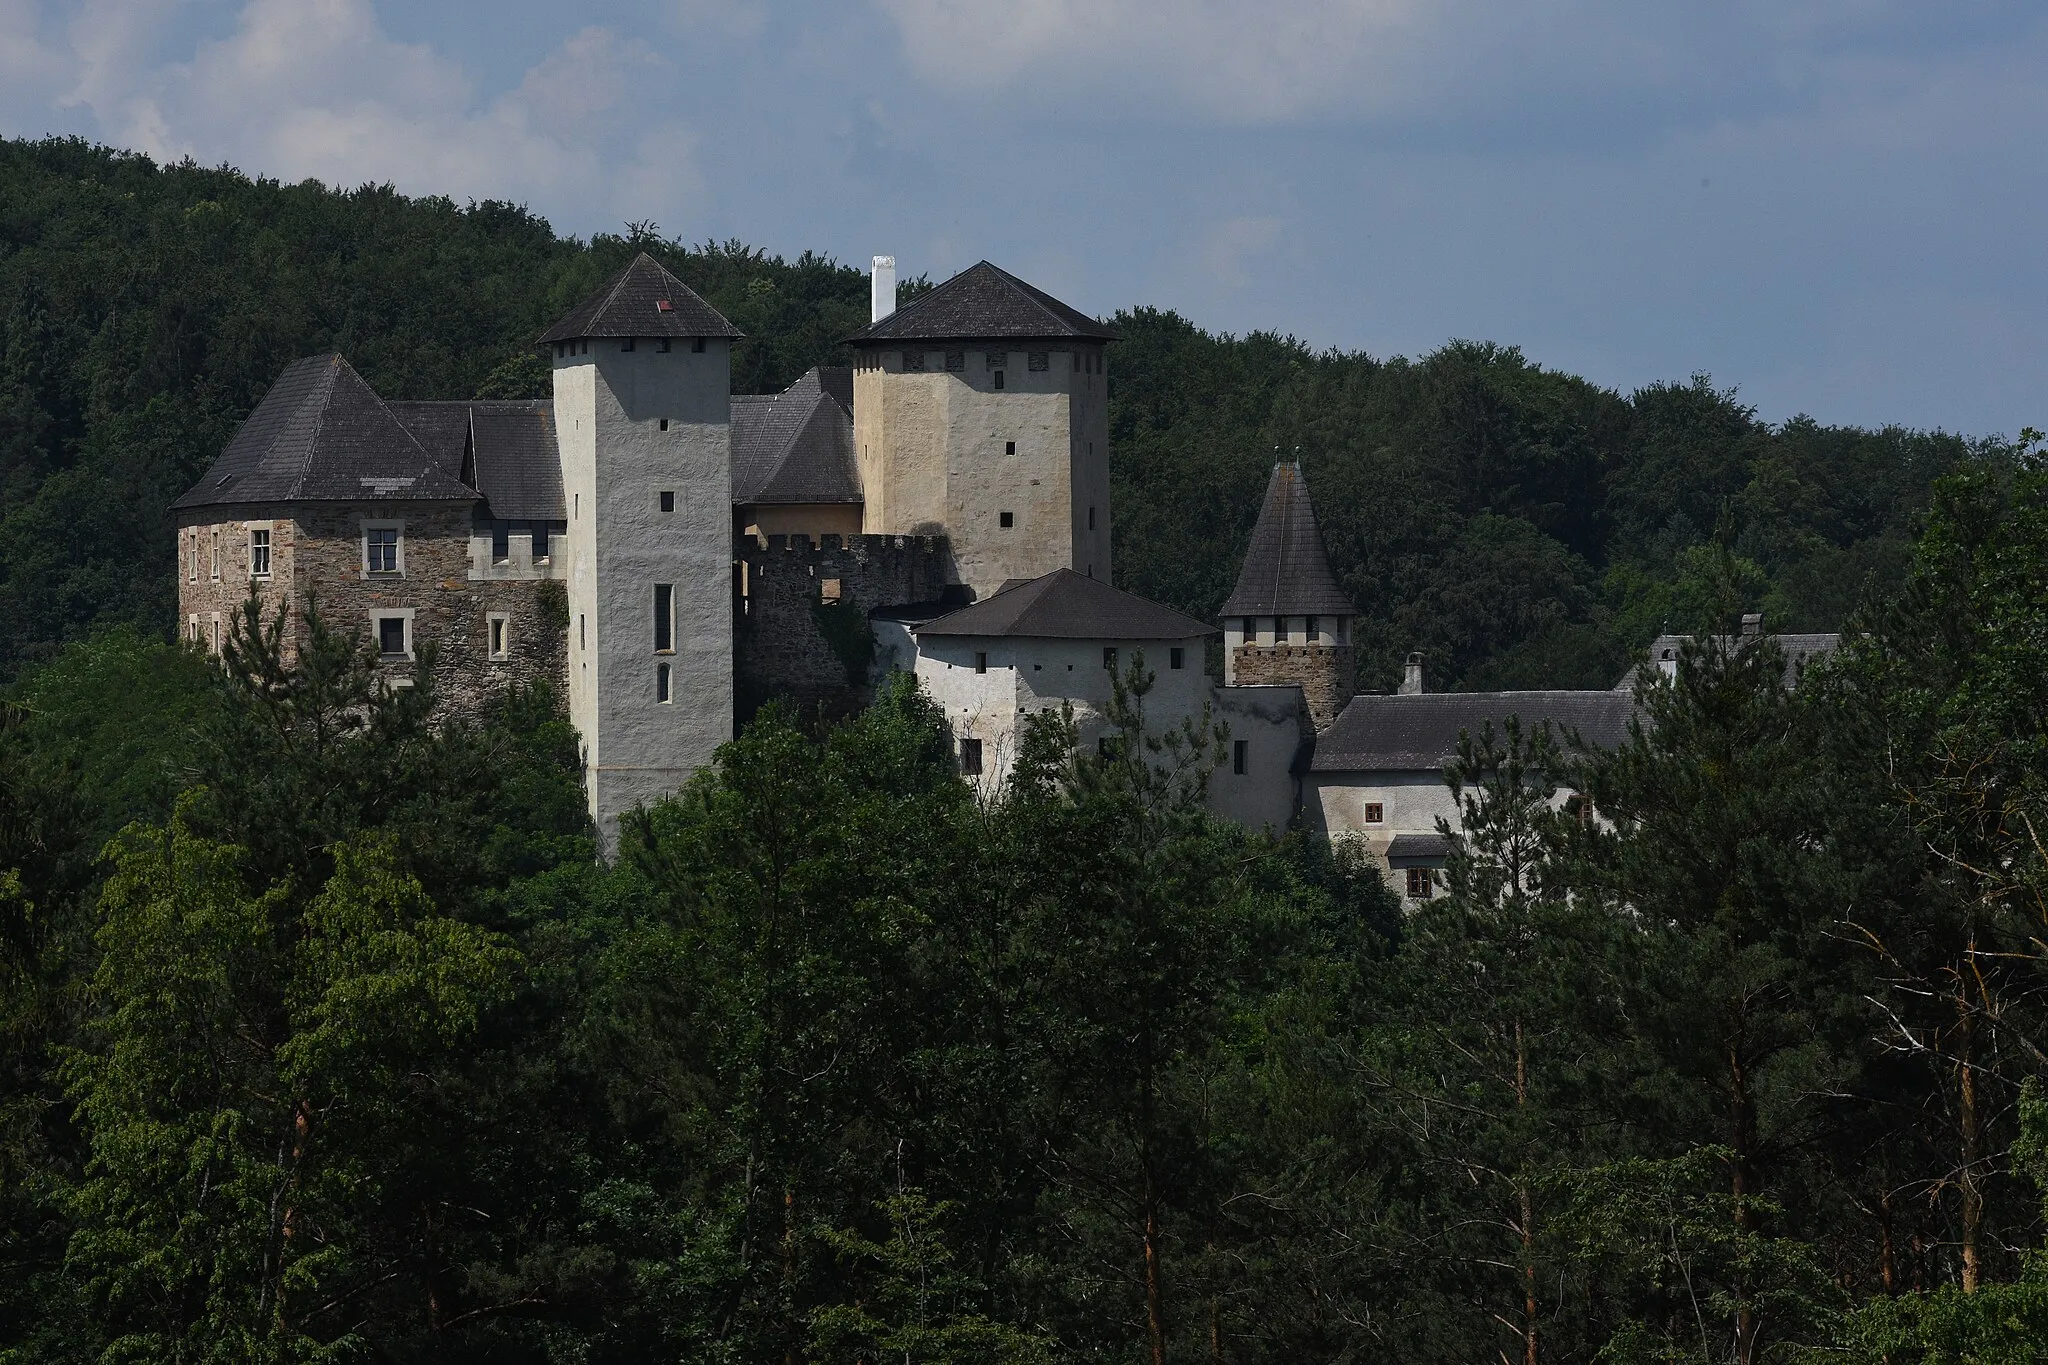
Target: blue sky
x=1836 y=206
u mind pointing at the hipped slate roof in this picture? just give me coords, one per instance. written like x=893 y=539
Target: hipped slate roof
x=984 y=303
x=1285 y=571
x=1420 y=733
x=797 y=446
x=1064 y=605
x=503 y=448
x=322 y=435
x=643 y=300
x=1799 y=650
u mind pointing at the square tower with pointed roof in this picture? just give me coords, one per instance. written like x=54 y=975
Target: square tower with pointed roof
x=981 y=413
x=1288 y=620
x=643 y=414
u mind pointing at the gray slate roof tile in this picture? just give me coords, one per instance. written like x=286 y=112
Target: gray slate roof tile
x=1800 y=650
x=643 y=300
x=1286 y=572
x=322 y=435
x=1064 y=605
x=1420 y=733
x=984 y=302
x=797 y=446
x=504 y=448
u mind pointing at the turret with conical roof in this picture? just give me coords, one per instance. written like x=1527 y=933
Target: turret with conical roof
x=643 y=382
x=981 y=413
x=1288 y=621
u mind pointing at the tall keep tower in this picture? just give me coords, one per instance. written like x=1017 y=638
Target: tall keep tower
x=1287 y=621
x=980 y=411
x=642 y=379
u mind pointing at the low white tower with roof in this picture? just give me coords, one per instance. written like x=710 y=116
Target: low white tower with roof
x=642 y=385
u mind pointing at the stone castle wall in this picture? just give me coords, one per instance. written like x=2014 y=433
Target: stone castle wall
x=1327 y=674
x=317 y=561
x=801 y=623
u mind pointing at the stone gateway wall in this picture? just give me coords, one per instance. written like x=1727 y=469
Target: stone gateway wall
x=317 y=562
x=801 y=615
x=1326 y=674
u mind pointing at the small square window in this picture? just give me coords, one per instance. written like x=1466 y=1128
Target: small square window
x=259 y=554
x=1038 y=360
x=663 y=424
x=970 y=757
x=913 y=361
x=956 y=360
x=1421 y=883
x=1109 y=657
x=1009 y=447
x=1007 y=518
x=981 y=661
x=661 y=684
x=668 y=500
x=830 y=589
x=391 y=636
x=1240 y=756
x=1375 y=813
x=1176 y=657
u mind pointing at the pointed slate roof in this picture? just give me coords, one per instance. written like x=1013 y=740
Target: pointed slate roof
x=322 y=435
x=983 y=302
x=643 y=300
x=1285 y=571
x=1064 y=605
x=797 y=446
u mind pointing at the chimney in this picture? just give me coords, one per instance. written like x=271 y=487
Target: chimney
x=1411 y=681
x=1752 y=624
x=882 y=294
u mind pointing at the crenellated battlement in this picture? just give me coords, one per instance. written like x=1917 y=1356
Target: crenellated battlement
x=802 y=605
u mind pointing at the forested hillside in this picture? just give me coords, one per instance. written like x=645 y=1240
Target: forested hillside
x=1520 y=526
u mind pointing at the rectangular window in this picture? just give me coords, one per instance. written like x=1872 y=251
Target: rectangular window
x=501 y=541
x=999 y=379
x=1038 y=360
x=970 y=757
x=1421 y=882
x=663 y=424
x=697 y=345
x=380 y=549
x=664 y=617
x=1091 y=518
x=1176 y=657
x=497 y=632
x=391 y=636
x=626 y=345
x=192 y=572
x=1240 y=755
x=1109 y=657
x=956 y=360
x=1312 y=632
x=540 y=540
x=1006 y=518
x=259 y=554
x=981 y=661
x=1375 y=813
x=668 y=500
x=661 y=684
x=1279 y=630
x=216 y=632
x=582 y=635
x=1009 y=447
x=216 y=554
x=192 y=627
x=913 y=361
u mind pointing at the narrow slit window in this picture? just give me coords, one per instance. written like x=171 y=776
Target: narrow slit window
x=1109 y=657
x=664 y=617
x=495 y=631
x=661 y=684
x=1091 y=518
x=1240 y=756
x=1314 y=629
x=216 y=554
x=999 y=379
x=981 y=661
x=1009 y=447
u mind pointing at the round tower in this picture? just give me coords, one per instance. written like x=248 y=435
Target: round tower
x=1287 y=621
x=643 y=382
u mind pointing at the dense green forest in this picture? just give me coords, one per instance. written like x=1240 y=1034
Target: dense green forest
x=324 y=1036
x=1520 y=526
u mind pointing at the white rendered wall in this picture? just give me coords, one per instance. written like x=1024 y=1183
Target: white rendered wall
x=932 y=447
x=1026 y=676
x=1269 y=721
x=610 y=408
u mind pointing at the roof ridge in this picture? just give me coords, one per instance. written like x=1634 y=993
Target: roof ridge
x=1029 y=292
x=323 y=394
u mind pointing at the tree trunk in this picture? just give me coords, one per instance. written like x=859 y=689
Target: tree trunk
x=1155 y=1310
x=1527 y=1199
x=1742 y=1144
x=1973 y=1150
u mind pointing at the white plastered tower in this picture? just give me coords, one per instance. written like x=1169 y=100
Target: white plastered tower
x=642 y=385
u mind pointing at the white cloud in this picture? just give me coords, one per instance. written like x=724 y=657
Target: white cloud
x=317 y=89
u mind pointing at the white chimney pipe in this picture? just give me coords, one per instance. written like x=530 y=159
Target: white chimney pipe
x=882 y=297
x=1411 y=679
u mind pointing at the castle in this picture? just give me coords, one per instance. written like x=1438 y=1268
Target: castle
x=672 y=555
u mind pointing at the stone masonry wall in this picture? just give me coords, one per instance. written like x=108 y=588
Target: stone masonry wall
x=317 y=561
x=1326 y=673
x=801 y=619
